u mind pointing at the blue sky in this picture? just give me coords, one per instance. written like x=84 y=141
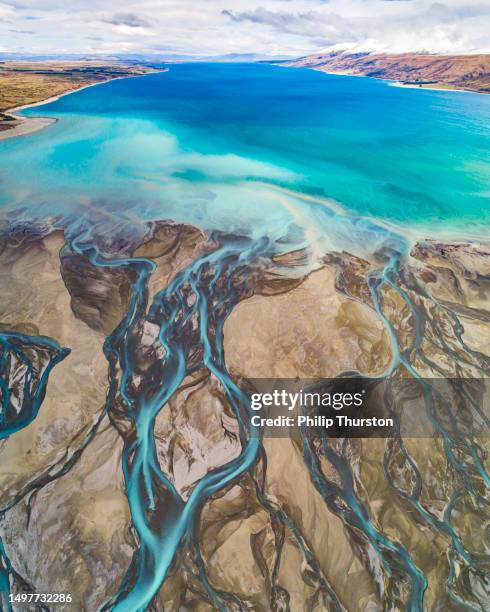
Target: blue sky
x=269 y=27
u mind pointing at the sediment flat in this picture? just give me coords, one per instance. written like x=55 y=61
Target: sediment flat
x=314 y=325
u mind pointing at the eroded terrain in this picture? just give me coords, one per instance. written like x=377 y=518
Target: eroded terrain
x=134 y=482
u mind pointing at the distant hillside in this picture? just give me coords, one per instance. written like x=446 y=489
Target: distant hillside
x=445 y=71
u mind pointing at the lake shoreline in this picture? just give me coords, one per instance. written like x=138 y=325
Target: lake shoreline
x=29 y=125
x=396 y=83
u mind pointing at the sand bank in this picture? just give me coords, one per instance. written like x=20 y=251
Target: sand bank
x=27 y=125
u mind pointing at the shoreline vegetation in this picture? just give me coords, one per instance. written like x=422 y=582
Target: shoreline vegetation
x=24 y=84
x=415 y=70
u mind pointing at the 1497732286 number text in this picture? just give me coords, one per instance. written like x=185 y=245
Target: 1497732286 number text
x=40 y=598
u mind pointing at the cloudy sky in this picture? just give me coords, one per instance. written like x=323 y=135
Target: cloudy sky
x=270 y=27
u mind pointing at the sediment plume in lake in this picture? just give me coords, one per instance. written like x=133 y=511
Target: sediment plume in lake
x=131 y=478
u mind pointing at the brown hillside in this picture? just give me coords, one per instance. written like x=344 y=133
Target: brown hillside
x=455 y=71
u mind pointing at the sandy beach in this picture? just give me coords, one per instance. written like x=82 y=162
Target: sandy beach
x=27 y=125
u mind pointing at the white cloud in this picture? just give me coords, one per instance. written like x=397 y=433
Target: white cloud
x=209 y=27
x=7 y=12
x=119 y=46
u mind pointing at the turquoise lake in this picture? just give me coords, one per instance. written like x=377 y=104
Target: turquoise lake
x=259 y=148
